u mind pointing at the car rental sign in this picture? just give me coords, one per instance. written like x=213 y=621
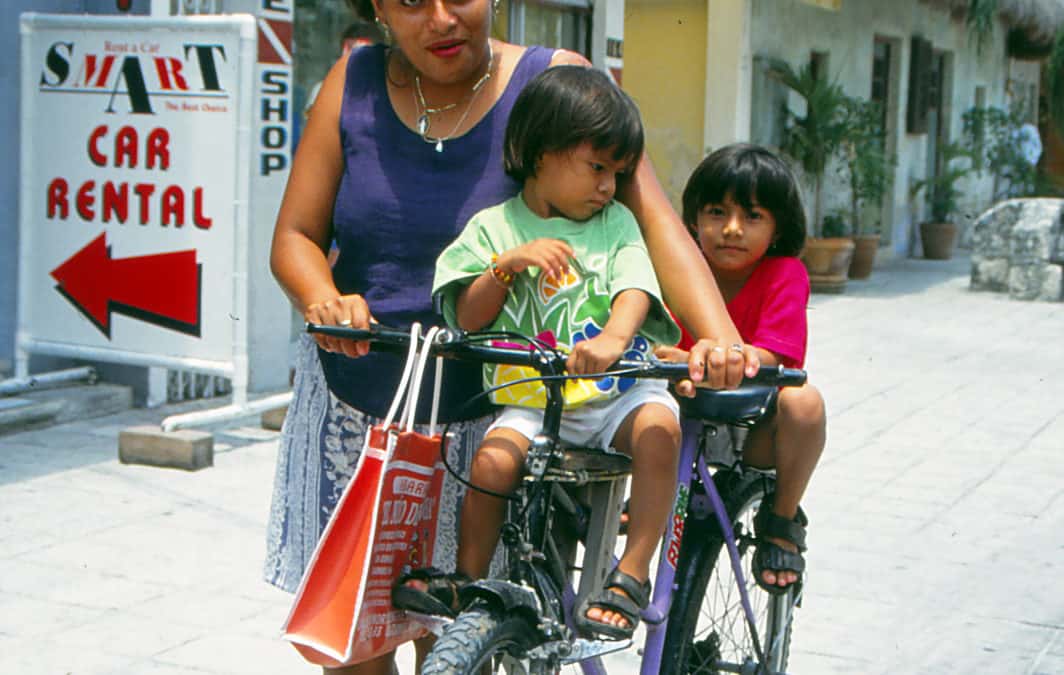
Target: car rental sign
x=135 y=168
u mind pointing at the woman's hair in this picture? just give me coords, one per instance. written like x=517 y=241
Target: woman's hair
x=563 y=107
x=750 y=173
x=363 y=9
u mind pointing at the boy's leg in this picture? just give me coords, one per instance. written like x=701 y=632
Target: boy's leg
x=497 y=466
x=792 y=442
x=651 y=435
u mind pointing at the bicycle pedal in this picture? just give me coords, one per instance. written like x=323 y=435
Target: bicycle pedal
x=588 y=649
x=435 y=624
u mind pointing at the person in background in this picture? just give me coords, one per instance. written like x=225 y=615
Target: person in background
x=357 y=34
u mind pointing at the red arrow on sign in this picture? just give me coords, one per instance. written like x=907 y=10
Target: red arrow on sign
x=162 y=289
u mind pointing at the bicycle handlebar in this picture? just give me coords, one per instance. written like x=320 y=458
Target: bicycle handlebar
x=454 y=344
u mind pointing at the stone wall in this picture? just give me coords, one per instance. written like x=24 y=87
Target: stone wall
x=1018 y=248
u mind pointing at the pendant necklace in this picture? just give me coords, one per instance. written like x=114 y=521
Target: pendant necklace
x=425 y=112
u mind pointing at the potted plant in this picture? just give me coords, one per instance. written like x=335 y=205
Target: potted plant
x=940 y=190
x=812 y=139
x=870 y=172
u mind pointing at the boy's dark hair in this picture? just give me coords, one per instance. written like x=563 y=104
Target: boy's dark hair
x=749 y=172
x=561 y=108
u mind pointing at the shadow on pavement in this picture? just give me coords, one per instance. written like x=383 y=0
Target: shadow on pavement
x=908 y=276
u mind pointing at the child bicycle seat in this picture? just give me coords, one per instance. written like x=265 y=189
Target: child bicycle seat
x=588 y=465
x=741 y=407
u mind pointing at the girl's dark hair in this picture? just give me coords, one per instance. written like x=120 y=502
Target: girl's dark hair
x=750 y=173
x=561 y=108
x=363 y=9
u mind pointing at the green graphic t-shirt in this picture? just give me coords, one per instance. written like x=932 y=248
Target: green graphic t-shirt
x=609 y=257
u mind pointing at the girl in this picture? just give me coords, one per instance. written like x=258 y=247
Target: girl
x=565 y=262
x=743 y=207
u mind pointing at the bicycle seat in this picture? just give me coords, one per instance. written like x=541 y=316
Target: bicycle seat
x=742 y=407
x=589 y=465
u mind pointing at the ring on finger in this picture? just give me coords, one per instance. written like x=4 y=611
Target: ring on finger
x=736 y=348
x=345 y=322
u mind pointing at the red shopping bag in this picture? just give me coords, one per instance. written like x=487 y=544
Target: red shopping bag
x=385 y=522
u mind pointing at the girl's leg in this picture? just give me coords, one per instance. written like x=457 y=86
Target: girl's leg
x=497 y=466
x=651 y=435
x=792 y=443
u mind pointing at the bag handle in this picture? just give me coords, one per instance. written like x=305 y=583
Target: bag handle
x=436 y=395
x=406 y=420
x=400 y=391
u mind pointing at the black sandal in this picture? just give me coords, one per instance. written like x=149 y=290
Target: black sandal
x=630 y=606
x=439 y=599
x=771 y=556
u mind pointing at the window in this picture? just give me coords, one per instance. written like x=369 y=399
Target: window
x=564 y=24
x=881 y=54
x=818 y=65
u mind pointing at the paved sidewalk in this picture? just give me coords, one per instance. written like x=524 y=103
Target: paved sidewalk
x=937 y=514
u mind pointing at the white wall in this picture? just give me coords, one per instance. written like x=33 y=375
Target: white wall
x=728 y=64
x=790 y=29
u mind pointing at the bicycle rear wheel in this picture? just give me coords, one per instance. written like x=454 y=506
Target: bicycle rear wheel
x=483 y=640
x=708 y=632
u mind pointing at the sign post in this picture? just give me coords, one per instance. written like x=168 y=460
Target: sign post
x=136 y=188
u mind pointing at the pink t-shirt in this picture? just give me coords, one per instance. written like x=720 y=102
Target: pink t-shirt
x=769 y=310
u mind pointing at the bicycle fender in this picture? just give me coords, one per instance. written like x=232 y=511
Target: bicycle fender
x=501 y=594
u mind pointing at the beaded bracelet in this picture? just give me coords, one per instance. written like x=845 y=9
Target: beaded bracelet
x=504 y=278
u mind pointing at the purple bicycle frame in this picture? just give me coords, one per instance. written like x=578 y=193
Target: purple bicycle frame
x=656 y=615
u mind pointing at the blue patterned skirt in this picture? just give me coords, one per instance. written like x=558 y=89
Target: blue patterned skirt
x=320 y=444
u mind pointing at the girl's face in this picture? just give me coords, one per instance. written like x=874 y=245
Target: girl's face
x=444 y=40
x=733 y=239
x=576 y=183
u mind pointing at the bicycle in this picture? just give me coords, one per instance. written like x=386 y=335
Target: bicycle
x=571 y=496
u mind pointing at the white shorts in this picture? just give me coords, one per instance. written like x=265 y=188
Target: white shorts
x=595 y=424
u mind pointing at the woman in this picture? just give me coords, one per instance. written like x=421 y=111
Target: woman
x=405 y=144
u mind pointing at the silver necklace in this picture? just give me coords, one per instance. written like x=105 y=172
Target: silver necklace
x=425 y=113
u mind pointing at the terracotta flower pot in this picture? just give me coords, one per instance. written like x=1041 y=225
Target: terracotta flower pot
x=828 y=263
x=937 y=240
x=864 y=255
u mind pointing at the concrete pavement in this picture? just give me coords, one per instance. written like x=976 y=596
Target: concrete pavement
x=937 y=535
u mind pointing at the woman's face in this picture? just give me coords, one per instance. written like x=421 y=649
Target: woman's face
x=445 y=40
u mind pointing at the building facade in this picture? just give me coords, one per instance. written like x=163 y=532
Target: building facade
x=698 y=69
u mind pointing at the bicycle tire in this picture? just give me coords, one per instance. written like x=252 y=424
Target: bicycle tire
x=707 y=631
x=480 y=636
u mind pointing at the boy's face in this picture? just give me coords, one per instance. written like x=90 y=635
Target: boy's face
x=733 y=239
x=575 y=183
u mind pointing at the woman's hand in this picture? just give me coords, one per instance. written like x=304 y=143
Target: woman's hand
x=722 y=366
x=596 y=355
x=550 y=255
x=712 y=365
x=345 y=310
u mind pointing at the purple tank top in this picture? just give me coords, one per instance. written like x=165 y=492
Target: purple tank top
x=399 y=203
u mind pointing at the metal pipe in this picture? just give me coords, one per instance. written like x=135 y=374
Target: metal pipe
x=18 y=385
x=225 y=413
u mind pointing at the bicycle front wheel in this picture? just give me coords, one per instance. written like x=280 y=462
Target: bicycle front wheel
x=481 y=641
x=708 y=631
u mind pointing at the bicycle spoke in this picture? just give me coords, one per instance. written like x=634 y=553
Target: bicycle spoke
x=720 y=639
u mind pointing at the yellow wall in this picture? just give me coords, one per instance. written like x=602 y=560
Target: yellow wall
x=665 y=72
